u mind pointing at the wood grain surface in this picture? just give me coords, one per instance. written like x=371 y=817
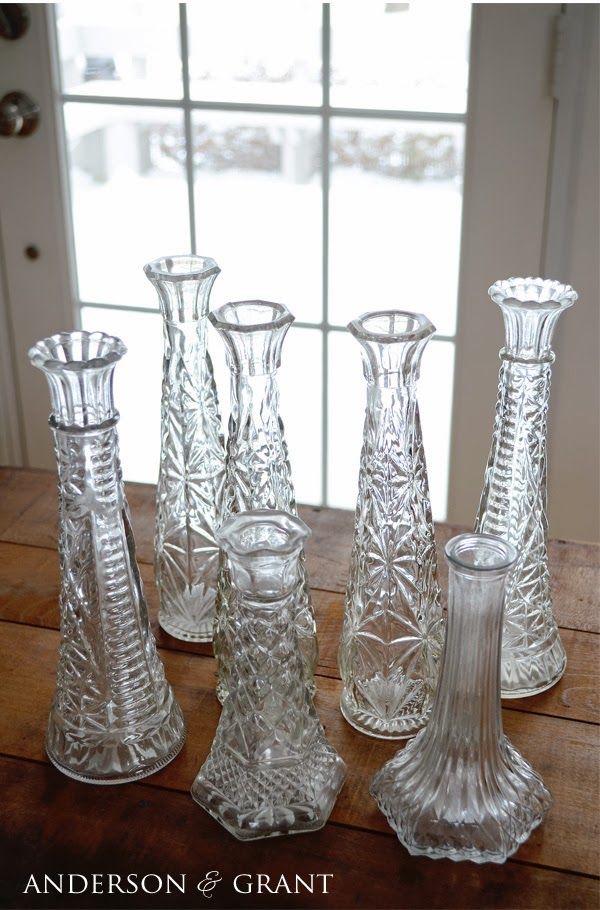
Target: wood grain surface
x=52 y=824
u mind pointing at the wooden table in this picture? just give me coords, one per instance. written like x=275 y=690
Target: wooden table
x=51 y=824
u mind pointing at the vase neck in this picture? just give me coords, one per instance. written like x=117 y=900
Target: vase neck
x=253 y=332
x=530 y=308
x=466 y=714
x=392 y=343
x=79 y=367
x=183 y=285
x=186 y=341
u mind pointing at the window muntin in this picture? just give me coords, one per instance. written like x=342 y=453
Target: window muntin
x=330 y=196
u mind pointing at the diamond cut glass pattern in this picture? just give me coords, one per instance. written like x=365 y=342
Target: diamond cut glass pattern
x=258 y=473
x=270 y=770
x=392 y=632
x=192 y=465
x=513 y=501
x=114 y=717
x=460 y=790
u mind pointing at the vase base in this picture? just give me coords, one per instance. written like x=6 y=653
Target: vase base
x=117 y=762
x=243 y=798
x=371 y=725
x=505 y=803
x=202 y=635
x=524 y=677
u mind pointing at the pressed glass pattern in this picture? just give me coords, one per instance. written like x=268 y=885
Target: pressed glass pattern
x=513 y=501
x=460 y=790
x=257 y=474
x=270 y=770
x=192 y=462
x=392 y=633
x=114 y=717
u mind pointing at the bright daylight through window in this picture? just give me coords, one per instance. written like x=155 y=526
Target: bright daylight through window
x=323 y=178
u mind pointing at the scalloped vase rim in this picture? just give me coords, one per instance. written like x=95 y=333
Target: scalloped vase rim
x=40 y=354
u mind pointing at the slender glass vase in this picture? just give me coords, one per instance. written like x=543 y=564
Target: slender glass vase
x=192 y=460
x=392 y=633
x=114 y=717
x=258 y=474
x=513 y=502
x=270 y=769
x=460 y=790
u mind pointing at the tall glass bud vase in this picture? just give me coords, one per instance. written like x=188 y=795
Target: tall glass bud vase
x=460 y=790
x=114 y=717
x=192 y=460
x=513 y=502
x=258 y=472
x=270 y=769
x=392 y=633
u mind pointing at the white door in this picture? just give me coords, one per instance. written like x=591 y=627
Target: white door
x=333 y=181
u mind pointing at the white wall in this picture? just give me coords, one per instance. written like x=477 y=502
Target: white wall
x=574 y=431
x=513 y=187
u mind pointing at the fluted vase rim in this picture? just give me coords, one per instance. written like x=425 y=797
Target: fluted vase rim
x=198 y=267
x=43 y=354
x=221 y=321
x=533 y=293
x=295 y=533
x=495 y=554
x=418 y=326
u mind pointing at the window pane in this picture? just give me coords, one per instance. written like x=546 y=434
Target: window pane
x=347 y=398
x=267 y=52
x=258 y=206
x=123 y=49
x=301 y=410
x=128 y=194
x=138 y=379
x=395 y=216
x=400 y=56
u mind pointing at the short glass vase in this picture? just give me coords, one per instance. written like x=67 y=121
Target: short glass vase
x=460 y=790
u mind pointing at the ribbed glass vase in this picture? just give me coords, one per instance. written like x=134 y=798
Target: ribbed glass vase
x=270 y=769
x=114 y=717
x=192 y=457
x=258 y=474
x=513 y=502
x=392 y=633
x=460 y=790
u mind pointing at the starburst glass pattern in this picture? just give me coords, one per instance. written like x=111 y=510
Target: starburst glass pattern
x=270 y=770
x=392 y=633
x=513 y=502
x=114 y=717
x=192 y=463
x=460 y=790
x=258 y=473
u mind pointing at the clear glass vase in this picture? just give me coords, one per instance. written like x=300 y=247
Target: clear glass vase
x=270 y=769
x=460 y=790
x=258 y=474
x=192 y=459
x=392 y=634
x=114 y=717
x=513 y=502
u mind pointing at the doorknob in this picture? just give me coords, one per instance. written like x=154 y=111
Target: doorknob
x=14 y=20
x=19 y=115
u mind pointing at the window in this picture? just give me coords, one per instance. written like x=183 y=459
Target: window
x=316 y=152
